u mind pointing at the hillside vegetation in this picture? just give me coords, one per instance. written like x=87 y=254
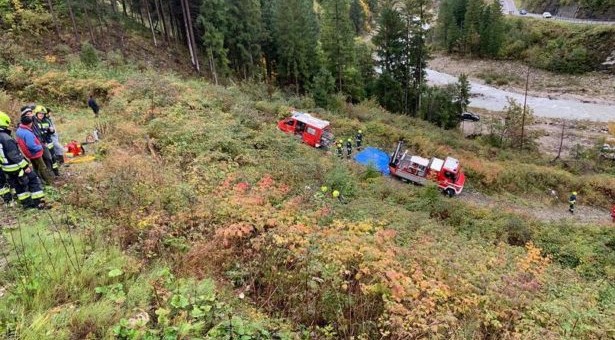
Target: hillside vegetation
x=559 y=47
x=199 y=219
x=591 y=9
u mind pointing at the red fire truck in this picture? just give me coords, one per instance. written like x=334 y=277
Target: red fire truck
x=446 y=173
x=312 y=131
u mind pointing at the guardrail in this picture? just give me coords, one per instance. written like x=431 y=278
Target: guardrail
x=560 y=18
x=583 y=21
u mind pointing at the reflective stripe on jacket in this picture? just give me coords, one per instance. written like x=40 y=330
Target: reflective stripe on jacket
x=11 y=159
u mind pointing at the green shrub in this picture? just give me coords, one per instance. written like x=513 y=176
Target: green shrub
x=62 y=50
x=518 y=233
x=89 y=55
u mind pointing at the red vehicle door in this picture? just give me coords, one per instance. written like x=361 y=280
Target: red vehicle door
x=287 y=125
x=311 y=136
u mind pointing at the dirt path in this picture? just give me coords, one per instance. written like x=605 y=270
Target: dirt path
x=540 y=211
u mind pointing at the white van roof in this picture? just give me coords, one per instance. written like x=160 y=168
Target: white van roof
x=310 y=120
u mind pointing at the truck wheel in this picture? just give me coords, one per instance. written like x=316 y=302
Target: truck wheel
x=449 y=192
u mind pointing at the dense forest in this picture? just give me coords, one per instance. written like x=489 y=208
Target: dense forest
x=336 y=49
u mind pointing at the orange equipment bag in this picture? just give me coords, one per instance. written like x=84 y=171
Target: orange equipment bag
x=74 y=149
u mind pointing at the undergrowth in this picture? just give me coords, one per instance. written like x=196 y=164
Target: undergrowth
x=199 y=219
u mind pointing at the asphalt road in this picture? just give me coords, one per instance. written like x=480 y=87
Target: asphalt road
x=509 y=8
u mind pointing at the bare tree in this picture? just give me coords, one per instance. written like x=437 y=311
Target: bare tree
x=69 y=3
x=149 y=19
x=190 y=35
x=55 y=19
x=561 y=141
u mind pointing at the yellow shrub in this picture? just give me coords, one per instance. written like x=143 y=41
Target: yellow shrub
x=60 y=86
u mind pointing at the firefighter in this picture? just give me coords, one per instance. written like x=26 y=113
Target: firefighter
x=340 y=148
x=55 y=139
x=5 y=188
x=572 y=201
x=348 y=148
x=45 y=128
x=19 y=173
x=359 y=140
x=31 y=147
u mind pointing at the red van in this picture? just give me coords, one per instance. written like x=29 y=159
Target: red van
x=312 y=131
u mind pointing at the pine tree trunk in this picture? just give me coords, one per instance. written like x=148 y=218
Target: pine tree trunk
x=149 y=19
x=212 y=67
x=188 y=37
x=87 y=19
x=124 y=8
x=192 y=40
x=161 y=18
x=72 y=19
x=54 y=18
x=561 y=141
x=98 y=8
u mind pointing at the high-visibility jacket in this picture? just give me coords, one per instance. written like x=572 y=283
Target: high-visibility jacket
x=11 y=159
x=572 y=199
x=46 y=129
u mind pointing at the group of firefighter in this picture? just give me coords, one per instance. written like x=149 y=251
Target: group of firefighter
x=30 y=159
x=339 y=146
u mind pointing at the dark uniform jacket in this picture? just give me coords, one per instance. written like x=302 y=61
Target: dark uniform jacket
x=11 y=159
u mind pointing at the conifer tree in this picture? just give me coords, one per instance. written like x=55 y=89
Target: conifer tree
x=268 y=45
x=491 y=29
x=296 y=39
x=472 y=26
x=243 y=36
x=337 y=38
x=359 y=15
x=212 y=20
x=390 y=52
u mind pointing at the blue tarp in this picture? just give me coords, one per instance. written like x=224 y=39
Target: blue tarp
x=375 y=157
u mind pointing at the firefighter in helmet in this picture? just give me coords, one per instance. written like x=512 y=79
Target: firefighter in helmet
x=572 y=201
x=339 y=147
x=359 y=139
x=46 y=128
x=348 y=148
x=19 y=173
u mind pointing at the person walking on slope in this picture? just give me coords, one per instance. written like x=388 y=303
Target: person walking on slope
x=32 y=148
x=348 y=148
x=572 y=201
x=359 y=140
x=93 y=105
x=19 y=173
x=45 y=126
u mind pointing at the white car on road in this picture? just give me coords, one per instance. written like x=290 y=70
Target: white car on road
x=546 y=15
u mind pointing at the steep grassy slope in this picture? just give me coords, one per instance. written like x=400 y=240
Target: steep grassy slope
x=200 y=219
x=558 y=46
